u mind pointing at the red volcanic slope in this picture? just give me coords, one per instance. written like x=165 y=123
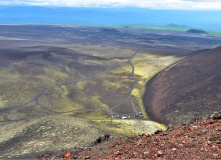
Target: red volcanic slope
x=198 y=141
x=190 y=88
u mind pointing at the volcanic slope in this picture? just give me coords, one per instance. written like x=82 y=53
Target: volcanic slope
x=190 y=88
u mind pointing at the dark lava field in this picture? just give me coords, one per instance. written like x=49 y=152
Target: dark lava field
x=60 y=85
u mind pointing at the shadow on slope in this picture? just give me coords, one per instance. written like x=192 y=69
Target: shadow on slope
x=190 y=88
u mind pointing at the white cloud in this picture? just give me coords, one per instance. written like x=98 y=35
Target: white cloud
x=204 y=0
x=153 y=4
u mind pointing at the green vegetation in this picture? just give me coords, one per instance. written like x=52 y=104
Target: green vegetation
x=168 y=27
x=81 y=76
x=156 y=28
x=212 y=33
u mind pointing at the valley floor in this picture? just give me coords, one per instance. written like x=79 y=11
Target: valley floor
x=60 y=85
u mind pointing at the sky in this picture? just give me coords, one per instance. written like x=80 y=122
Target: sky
x=203 y=14
x=151 y=4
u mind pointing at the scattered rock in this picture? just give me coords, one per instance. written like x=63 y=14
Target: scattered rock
x=98 y=140
x=215 y=155
x=106 y=136
x=67 y=155
x=159 y=153
x=170 y=126
x=194 y=127
x=200 y=140
x=205 y=131
x=216 y=115
x=157 y=131
x=145 y=153
x=87 y=157
x=209 y=142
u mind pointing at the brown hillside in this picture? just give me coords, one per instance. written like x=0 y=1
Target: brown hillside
x=190 y=88
x=199 y=140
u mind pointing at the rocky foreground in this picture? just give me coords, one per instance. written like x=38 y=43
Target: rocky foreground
x=197 y=140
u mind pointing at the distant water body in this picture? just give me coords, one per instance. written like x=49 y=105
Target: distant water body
x=209 y=20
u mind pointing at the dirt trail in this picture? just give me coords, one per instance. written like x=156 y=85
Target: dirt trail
x=82 y=79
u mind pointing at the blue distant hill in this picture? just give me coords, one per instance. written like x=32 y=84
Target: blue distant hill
x=108 y=16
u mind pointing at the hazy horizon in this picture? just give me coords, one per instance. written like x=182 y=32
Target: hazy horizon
x=148 y=4
x=204 y=19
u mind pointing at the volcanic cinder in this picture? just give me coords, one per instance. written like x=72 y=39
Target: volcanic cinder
x=189 y=88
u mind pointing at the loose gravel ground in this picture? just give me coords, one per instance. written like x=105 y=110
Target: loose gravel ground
x=198 y=140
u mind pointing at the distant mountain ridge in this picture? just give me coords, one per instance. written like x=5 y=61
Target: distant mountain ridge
x=172 y=25
x=197 y=31
x=109 y=16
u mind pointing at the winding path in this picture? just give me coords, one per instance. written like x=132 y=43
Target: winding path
x=82 y=79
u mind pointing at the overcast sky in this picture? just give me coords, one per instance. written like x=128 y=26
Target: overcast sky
x=153 y=4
